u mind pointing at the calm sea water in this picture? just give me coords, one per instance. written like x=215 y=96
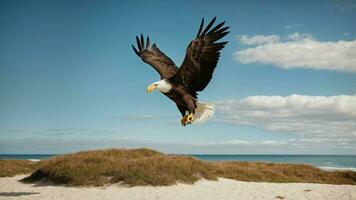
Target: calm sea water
x=33 y=157
x=329 y=162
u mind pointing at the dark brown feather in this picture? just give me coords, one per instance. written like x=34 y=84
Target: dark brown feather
x=148 y=42
x=154 y=57
x=138 y=44
x=202 y=56
x=209 y=26
x=201 y=27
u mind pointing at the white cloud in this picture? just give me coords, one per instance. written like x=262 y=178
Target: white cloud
x=258 y=39
x=312 y=118
x=250 y=143
x=48 y=141
x=273 y=142
x=293 y=26
x=300 y=50
x=236 y=142
x=299 y=36
x=292 y=146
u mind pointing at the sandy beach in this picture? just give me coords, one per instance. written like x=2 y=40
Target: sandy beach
x=11 y=188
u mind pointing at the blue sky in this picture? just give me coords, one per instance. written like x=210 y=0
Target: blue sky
x=285 y=83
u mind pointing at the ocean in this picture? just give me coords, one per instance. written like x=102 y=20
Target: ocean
x=327 y=162
x=32 y=157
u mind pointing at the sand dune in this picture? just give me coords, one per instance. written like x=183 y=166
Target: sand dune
x=11 y=188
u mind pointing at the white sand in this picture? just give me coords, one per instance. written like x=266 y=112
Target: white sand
x=10 y=188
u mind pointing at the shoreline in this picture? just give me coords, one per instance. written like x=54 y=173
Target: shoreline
x=210 y=190
x=331 y=169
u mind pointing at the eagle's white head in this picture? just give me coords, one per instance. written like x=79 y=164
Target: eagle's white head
x=162 y=85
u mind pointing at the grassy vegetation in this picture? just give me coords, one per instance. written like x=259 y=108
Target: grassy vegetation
x=281 y=173
x=14 y=167
x=148 y=167
x=132 y=167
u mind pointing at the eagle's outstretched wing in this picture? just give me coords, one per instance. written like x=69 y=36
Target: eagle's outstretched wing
x=155 y=57
x=201 y=57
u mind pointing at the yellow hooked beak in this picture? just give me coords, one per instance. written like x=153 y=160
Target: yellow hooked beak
x=151 y=88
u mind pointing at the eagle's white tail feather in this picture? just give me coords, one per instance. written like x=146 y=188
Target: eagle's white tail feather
x=203 y=112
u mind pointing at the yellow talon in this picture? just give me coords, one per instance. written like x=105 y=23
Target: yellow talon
x=187 y=119
x=190 y=118
x=183 y=121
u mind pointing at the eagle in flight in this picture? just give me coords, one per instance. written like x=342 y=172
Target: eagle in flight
x=182 y=84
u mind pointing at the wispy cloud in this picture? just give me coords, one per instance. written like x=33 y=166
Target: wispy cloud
x=55 y=132
x=300 y=50
x=138 y=117
x=346 y=34
x=234 y=146
x=345 y=4
x=251 y=142
x=293 y=26
x=58 y=134
x=314 y=118
x=314 y=124
x=299 y=37
x=258 y=39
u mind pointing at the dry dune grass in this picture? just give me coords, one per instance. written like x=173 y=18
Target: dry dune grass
x=131 y=167
x=14 y=167
x=149 y=167
x=281 y=173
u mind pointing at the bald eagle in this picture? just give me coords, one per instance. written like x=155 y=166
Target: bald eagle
x=182 y=84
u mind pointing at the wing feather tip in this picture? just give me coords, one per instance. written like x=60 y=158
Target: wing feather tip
x=135 y=50
x=217 y=27
x=138 y=43
x=201 y=27
x=142 y=41
x=148 y=42
x=209 y=26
